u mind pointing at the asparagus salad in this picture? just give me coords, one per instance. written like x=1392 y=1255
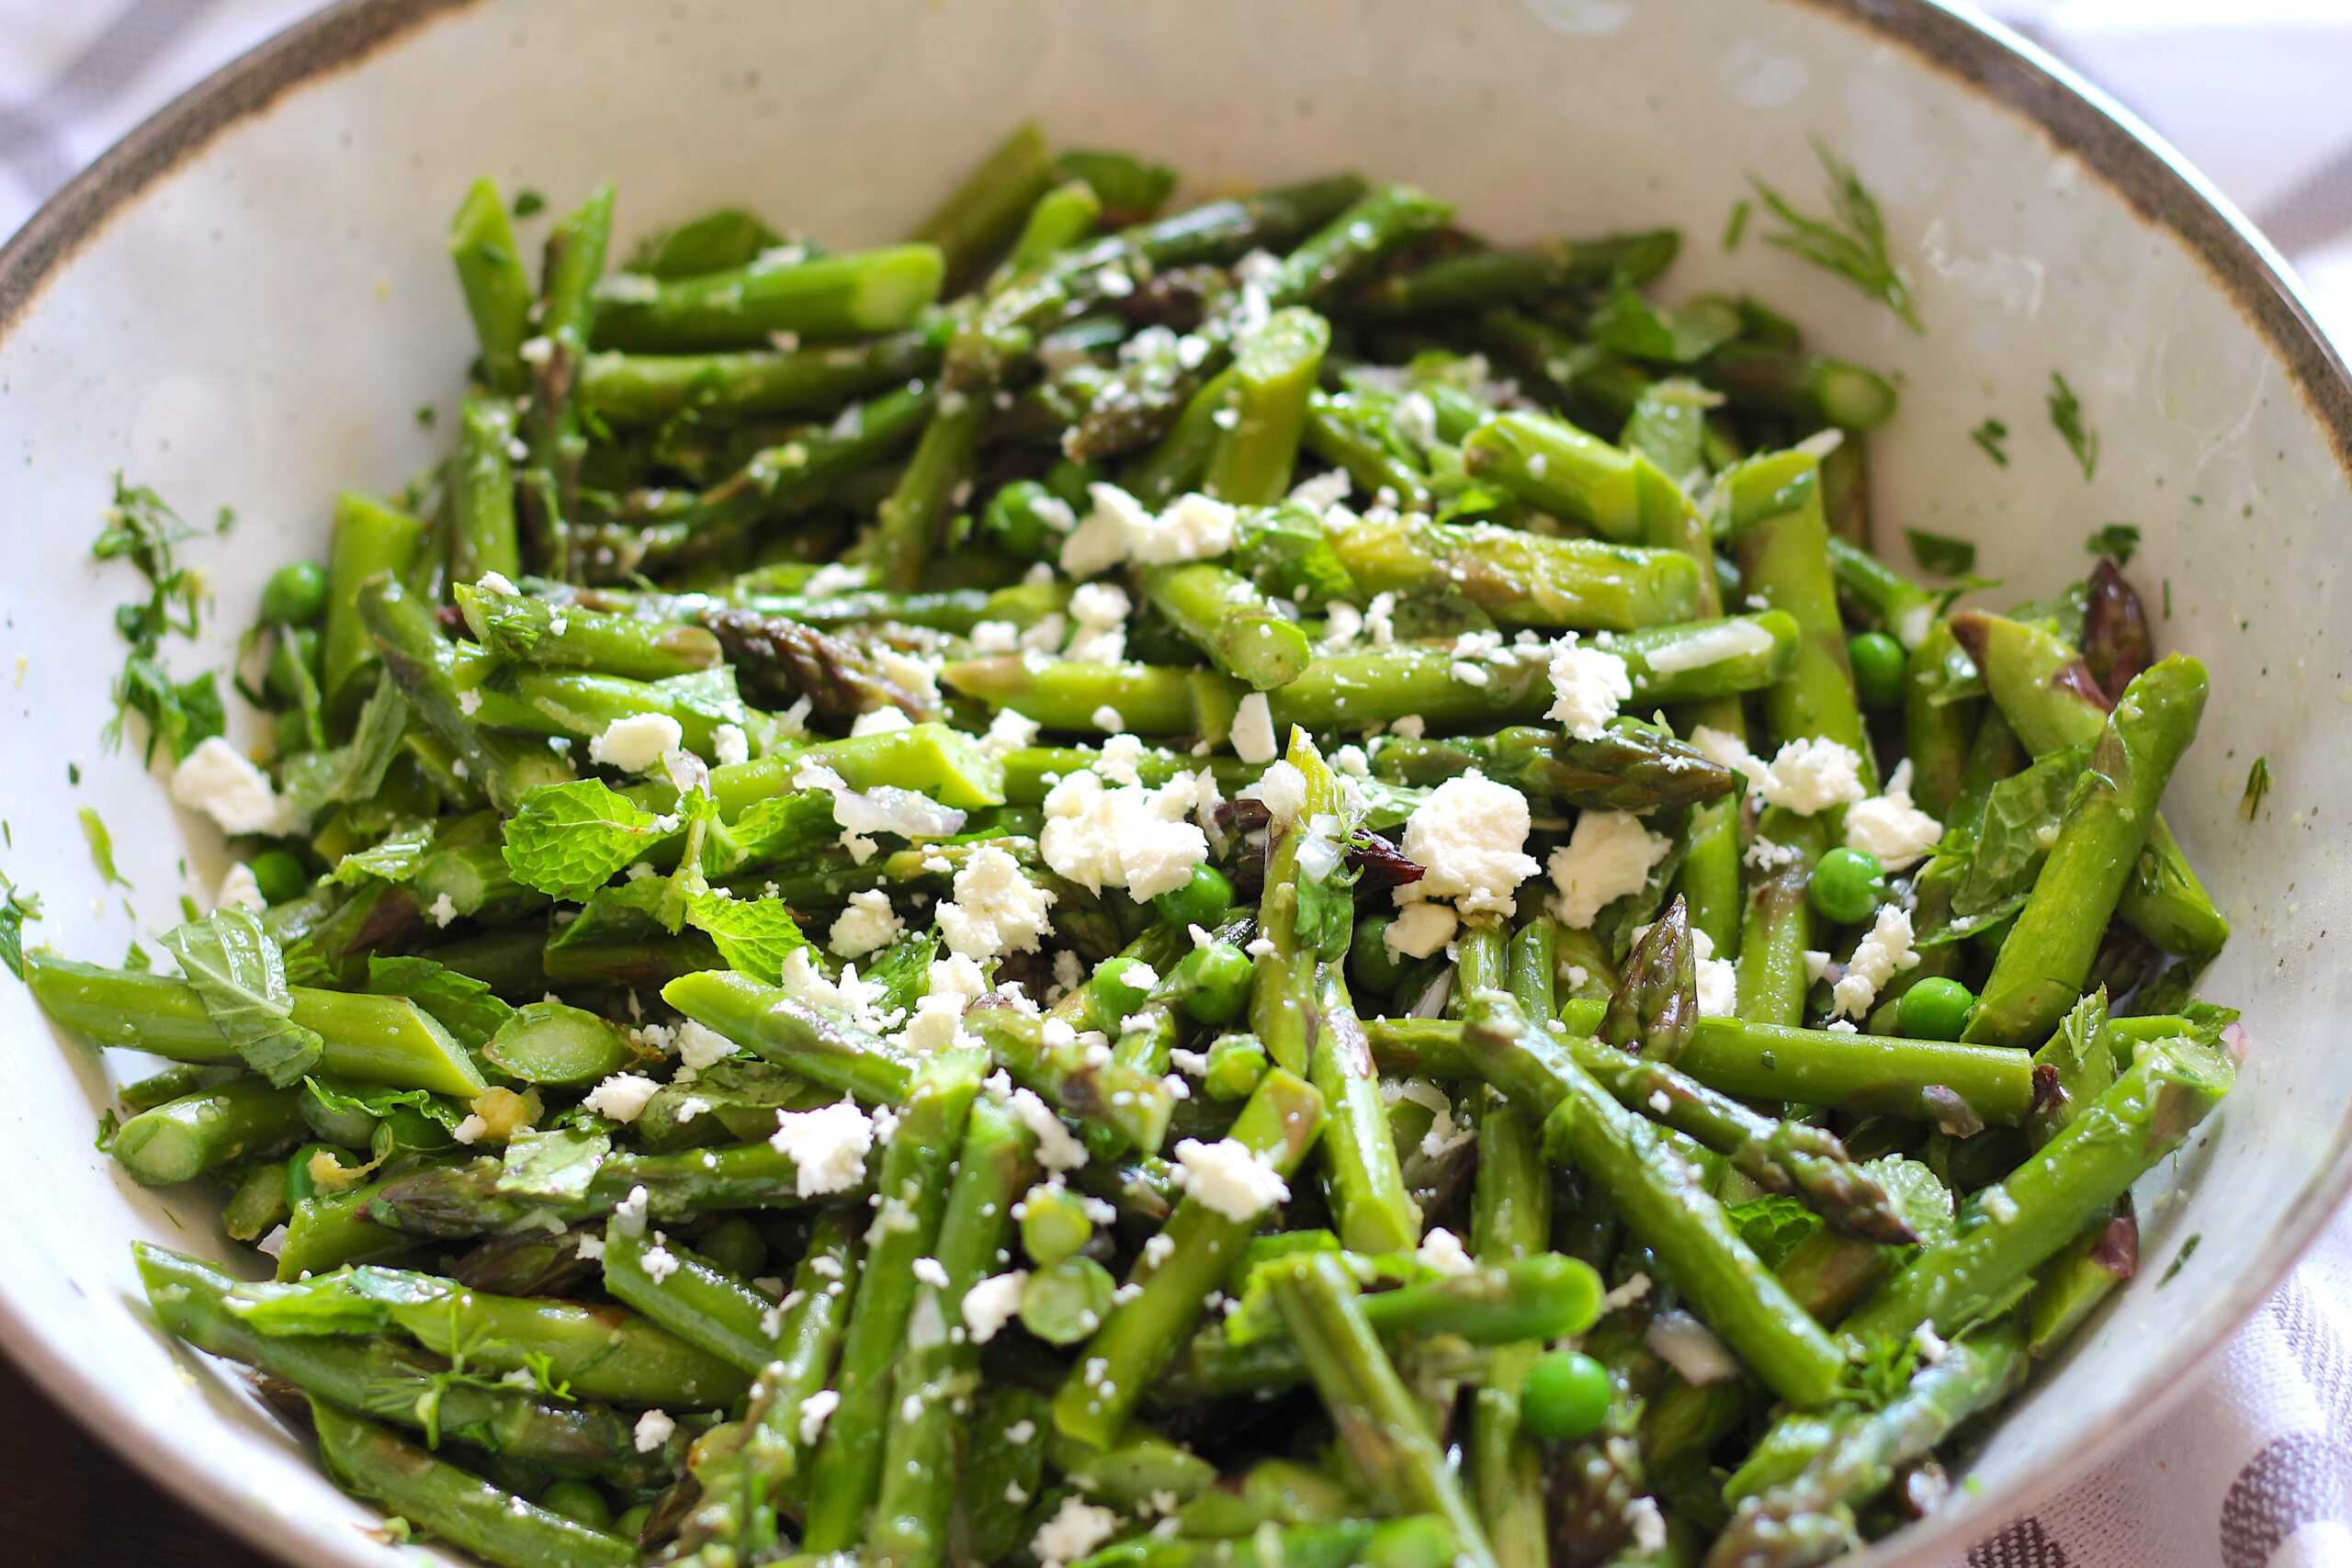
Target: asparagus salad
x=1261 y=886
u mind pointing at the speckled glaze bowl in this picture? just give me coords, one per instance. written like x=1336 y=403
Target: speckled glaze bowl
x=245 y=302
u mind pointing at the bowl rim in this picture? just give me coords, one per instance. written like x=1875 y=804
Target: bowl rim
x=1947 y=35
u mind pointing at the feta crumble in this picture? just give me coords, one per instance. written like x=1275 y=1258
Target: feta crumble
x=223 y=781
x=827 y=1147
x=1609 y=855
x=1253 y=729
x=622 y=1097
x=1468 y=837
x=990 y=1304
x=1230 y=1178
x=1885 y=951
x=1589 y=685
x=636 y=744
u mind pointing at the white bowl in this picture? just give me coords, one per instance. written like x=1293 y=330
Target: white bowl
x=244 y=303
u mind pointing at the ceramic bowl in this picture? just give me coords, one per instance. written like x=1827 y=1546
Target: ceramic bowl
x=246 y=302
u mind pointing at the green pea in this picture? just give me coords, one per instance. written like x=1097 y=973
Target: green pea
x=1065 y=1303
x=1012 y=519
x=734 y=1245
x=1847 y=886
x=279 y=874
x=1118 y=987
x=1879 y=662
x=1935 y=1008
x=1053 y=1224
x=296 y=595
x=1200 y=901
x=1374 y=966
x=1566 y=1395
x=1221 y=974
x=1236 y=1064
x=578 y=1502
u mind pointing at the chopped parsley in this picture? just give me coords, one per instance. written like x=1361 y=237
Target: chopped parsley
x=529 y=203
x=2120 y=540
x=2066 y=417
x=426 y=415
x=1989 y=435
x=1851 y=242
x=2186 y=1247
x=2257 y=785
x=1940 y=553
x=142 y=528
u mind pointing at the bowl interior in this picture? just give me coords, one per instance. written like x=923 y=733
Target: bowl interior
x=260 y=325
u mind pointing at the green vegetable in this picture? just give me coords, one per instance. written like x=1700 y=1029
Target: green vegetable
x=1845 y=886
x=294 y=595
x=1566 y=1397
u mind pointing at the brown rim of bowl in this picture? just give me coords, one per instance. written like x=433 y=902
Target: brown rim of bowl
x=2079 y=118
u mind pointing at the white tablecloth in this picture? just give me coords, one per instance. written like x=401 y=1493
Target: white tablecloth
x=2254 y=1469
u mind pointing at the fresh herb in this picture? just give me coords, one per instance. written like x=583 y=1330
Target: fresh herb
x=754 y=935
x=392 y=858
x=2066 y=415
x=108 y=1125
x=142 y=528
x=1735 y=226
x=240 y=975
x=101 y=842
x=135 y=959
x=426 y=416
x=569 y=840
x=1940 y=553
x=1632 y=326
x=459 y=1003
x=2120 y=540
x=17 y=907
x=2257 y=785
x=2168 y=598
x=74 y=774
x=1989 y=435
x=2187 y=1249
x=1850 y=242
x=553 y=1166
x=529 y=203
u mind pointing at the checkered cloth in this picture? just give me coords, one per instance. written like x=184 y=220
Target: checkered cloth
x=2254 y=1469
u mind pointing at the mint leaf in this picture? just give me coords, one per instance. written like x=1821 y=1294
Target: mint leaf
x=240 y=975
x=373 y=743
x=1631 y=326
x=459 y=1003
x=754 y=935
x=903 y=971
x=392 y=858
x=567 y=840
x=777 y=828
x=1772 y=1225
x=1940 y=553
x=554 y=1166
x=2066 y=418
x=2021 y=817
x=2120 y=540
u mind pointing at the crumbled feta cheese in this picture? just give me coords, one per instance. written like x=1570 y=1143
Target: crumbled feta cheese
x=1468 y=837
x=622 y=1095
x=1099 y=635
x=698 y=1047
x=1420 y=930
x=239 y=889
x=1931 y=1345
x=653 y=1429
x=996 y=636
x=1009 y=731
x=813 y=1412
x=955 y=983
x=657 y=1262
x=1412 y=726
x=1122 y=759
x=1589 y=685
x=879 y=721
x=1073 y=1533
x=1885 y=951
x=1808 y=776
x=1253 y=729
x=1682 y=1342
x=1710 y=645
x=443 y=910
x=471 y=1129
x=1609 y=855
x=1324 y=492
x=495 y=583
x=930 y=1271
x=636 y=744
x=996 y=909
x=1646 y=1525
x=1441 y=1250
x=1128 y=837
x=1626 y=1294
x=1056 y=1150
x=1888 y=826
x=827 y=1147
x=221 y=782
x=1817 y=965
x=990 y=1304
x=1764 y=855
x=470 y=702
x=1718 y=979
x=1121 y=528
x=729 y=745
x=628 y=1214
x=1282 y=788
x=1230 y=1178
x=866 y=923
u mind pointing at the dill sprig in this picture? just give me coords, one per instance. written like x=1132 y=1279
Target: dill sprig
x=2066 y=415
x=1851 y=242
